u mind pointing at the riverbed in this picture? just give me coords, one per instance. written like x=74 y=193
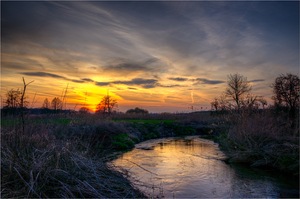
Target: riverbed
x=193 y=167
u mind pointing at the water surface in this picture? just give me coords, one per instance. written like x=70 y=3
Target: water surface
x=194 y=168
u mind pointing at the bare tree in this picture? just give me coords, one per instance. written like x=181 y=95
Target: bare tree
x=237 y=88
x=286 y=92
x=56 y=104
x=46 y=104
x=22 y=102
x=13 y=99
x=106 y=105
x=16 y=98
x=221 y=103
x=215 y=104
x=253 y=102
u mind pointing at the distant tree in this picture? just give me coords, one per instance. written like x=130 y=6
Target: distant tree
x=106 y=105
x=215 y=104
x=13 y=99
x=237 y=88
x=286 y=89
x=221 y=104
x=56 y=104
x=84 y=110
x=137 y=111
x=46 y=104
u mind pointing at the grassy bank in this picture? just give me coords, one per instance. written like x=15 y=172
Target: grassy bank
x=64 y=156
x=261 y=140
x=54 y=159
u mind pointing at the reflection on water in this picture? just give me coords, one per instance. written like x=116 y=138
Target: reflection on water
x=191 y=168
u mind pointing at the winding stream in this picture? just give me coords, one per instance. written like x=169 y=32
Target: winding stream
x=194 y=168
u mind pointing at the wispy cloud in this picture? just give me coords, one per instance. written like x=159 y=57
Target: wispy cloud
x=145 y=83
x=87 y=80
x=121 y=65
x=44 y=74
x=179 y=79
x=207 y=81
x=197 y=80
x=170 y=85
x=102 y=83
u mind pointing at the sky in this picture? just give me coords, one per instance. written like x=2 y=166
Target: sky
x=160 y=55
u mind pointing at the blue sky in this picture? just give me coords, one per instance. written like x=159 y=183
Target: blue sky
x=162 y=55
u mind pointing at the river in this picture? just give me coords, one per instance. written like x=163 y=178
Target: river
x=192 y=167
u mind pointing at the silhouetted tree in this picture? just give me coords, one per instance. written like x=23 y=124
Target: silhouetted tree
x=107 y=105
x=13 y=99
x=253 y=102
x=286 y=91
x=237 y=88
x=237 y=95
x=137 y=111
x=46 y=104
x=221 y=104
x=16 y=98
x=23 y=103
x=84 y=110
x=215 y=104
x=56 y=104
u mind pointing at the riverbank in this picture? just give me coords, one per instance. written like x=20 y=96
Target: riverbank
x=261 y=140
x=60 y=156
x=65 y=155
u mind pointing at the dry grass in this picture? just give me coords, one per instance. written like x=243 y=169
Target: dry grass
x=38 y=165
x=64 y=156
x=263 y=139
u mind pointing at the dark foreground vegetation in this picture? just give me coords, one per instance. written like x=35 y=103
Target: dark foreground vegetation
x=65 y=155
x=262 y=140
x=60 y=156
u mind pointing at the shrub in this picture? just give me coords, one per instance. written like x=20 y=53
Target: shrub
x=262 y=140
x=122 y=142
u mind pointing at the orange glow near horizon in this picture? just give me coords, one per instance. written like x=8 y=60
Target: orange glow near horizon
x=89 y=95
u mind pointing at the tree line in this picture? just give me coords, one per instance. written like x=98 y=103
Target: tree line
x=238 y=96
x=14 y=101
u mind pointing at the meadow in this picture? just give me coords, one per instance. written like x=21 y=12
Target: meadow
x=65 y=155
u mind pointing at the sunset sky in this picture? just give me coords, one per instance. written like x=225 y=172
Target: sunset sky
x=162 y=56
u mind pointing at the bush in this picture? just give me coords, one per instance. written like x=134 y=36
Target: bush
x=122 y=142
x=262 y=140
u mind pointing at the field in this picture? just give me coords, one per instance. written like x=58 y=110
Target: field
x=65 y=155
